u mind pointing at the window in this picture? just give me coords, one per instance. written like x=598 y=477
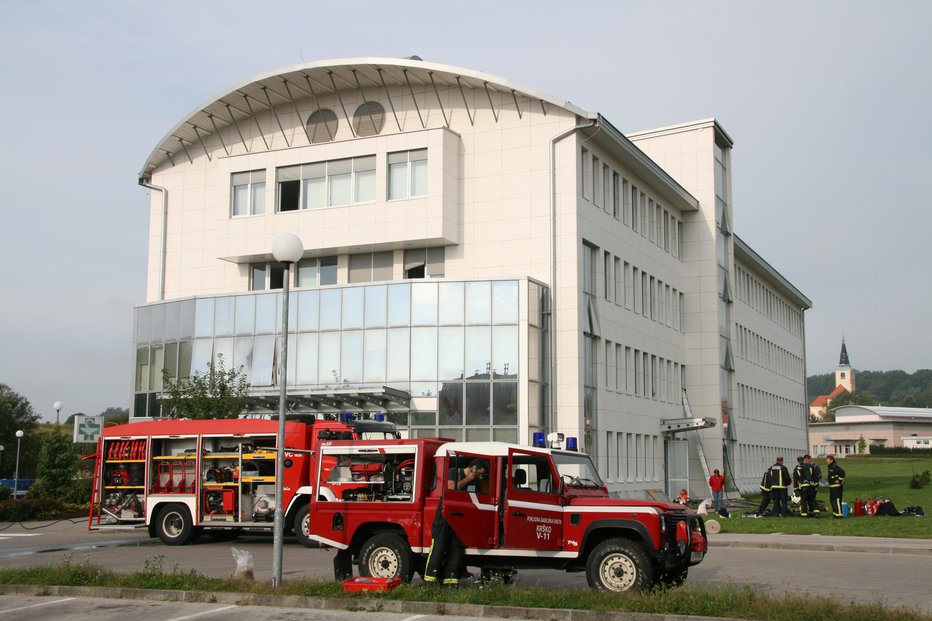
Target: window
x=634 y=207
x=368 y=119
x=371 y=266
x=590 y=276
x=313 y=272
x=248 y=193
x=407 y=174
x=424 y=263
x=322 y=126
x=586 y=174
x=326 y=184
x=596 y=181
x=264 y=276
x=616 y=195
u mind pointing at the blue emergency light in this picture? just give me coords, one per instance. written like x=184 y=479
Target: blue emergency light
x=540 y=440
x=572 y=444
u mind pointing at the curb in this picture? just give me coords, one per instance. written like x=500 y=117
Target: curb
x=354 y=604
x=822 y=547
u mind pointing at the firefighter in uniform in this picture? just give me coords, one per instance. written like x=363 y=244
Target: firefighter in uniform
x=779 y=481
x=445 y=559
x=802 y=480
x=836 y=484
x=814 y=488
x=764 y=493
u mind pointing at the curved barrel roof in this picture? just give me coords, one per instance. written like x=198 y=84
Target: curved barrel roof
x=285 y=86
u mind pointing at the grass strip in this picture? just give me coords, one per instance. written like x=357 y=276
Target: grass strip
x=738 y=603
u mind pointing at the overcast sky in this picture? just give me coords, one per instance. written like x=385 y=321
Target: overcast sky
x=829 y=105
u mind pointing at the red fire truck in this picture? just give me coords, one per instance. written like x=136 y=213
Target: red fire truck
x=537 y=507
x=181 y=478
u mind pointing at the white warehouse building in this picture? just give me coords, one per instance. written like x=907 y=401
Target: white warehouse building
x=482 y=261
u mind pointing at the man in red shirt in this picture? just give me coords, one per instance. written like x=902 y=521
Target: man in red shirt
x=717 y=485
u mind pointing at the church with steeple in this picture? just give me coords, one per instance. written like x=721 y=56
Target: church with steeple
x=844 y=382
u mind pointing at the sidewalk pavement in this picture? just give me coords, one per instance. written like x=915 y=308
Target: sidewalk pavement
x=778 y=541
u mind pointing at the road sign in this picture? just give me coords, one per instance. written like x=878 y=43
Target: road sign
x=87 y=428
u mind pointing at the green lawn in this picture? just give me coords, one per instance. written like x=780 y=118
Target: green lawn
x=866 y=477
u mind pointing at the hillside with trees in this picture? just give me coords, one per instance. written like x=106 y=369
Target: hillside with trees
x=888 y=388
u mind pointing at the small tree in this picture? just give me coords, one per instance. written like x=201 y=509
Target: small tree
x=218 y=393
x=56 y=469
x=862 y=445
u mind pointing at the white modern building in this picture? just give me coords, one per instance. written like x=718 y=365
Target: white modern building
x=885 y=426
x=482 y=261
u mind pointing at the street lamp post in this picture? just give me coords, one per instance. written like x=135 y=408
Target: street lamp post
x=57 y=406
x=287 y=249
x=19 y=436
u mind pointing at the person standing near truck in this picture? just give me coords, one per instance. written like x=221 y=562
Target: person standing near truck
x=717 y=485
x=814 y=488
x=779 y=481
x=836 y=484
x=447 y=553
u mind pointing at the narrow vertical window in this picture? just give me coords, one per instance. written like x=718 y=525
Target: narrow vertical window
x=248 y=193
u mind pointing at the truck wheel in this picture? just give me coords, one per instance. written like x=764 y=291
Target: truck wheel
x=386 y=556
x=173 y=525
x=302 y=527
x=619 y=565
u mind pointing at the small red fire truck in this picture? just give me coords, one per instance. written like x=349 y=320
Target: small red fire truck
x=184 y=477
x=536 y=507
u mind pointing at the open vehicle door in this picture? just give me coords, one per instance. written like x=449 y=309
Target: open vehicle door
x=472 y=510
x=533 y=503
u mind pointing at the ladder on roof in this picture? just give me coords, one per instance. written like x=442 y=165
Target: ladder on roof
x=699 y=449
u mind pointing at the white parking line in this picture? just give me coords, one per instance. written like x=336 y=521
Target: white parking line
x=56 y=601
x=202 y=614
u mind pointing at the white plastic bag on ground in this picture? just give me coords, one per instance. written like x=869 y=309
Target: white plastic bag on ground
x=243 y=564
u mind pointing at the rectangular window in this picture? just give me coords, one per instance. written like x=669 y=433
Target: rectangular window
x=625 y=203
x=651 y=221
x=314 y=272
x=424 y=263
x=590 y=268
x=607 y=275
x=585 y=174
x=370 y=266
x=606 y=188
x=616 y=196
x=634 y=208
x=326 y=184
x=257 y=277
x=407 y=174
x=642 y=209
x=629 y=285
x=659 y=224
x=619 y=282
x=248 y=193
x=596 y=181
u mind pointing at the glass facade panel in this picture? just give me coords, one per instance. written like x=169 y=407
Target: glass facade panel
x=424 y=304
x=328 y=271
x=374 y=370
x=504 y=302
x=351 y=357
x=266 y=316
x=375 y=306
x=186 y=310
x=505 y=351
x=201 y=356
x=263 y=361
x=423 y=419
x=505 y=403
x=242 y=353
x=478 y=352
x=245 y=314
x=204 y=317
x=224 y=347
x=452 y=303
x=330 y=309
x=142 y=369
x=171 y=360
x=223 y=316
x=399 y=305
x=397 y=346
x=478 y=303
x=450 y=364
x=423 y=354
x=185 y=351
x=306 y=359
x=353 y=308
x=144 y=324
x=505 y=435
x=307 y=311
x=158 y=323
x=328 y=370
x=478 y=435
x=477 y=403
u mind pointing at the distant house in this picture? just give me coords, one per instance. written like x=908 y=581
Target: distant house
x=844 y=382
x=878 y=425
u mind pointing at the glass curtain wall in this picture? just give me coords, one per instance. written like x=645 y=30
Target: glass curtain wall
x=454 y=343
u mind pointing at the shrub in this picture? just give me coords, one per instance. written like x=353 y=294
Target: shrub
x=37 y=509
x=6 y=492
x=920 y=480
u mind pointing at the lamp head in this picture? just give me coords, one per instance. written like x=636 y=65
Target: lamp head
x=20 y=434
x=287 y=248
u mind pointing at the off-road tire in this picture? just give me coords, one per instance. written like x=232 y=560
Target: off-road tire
x=386 y=555
x=619 y=565
x=302 y=527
